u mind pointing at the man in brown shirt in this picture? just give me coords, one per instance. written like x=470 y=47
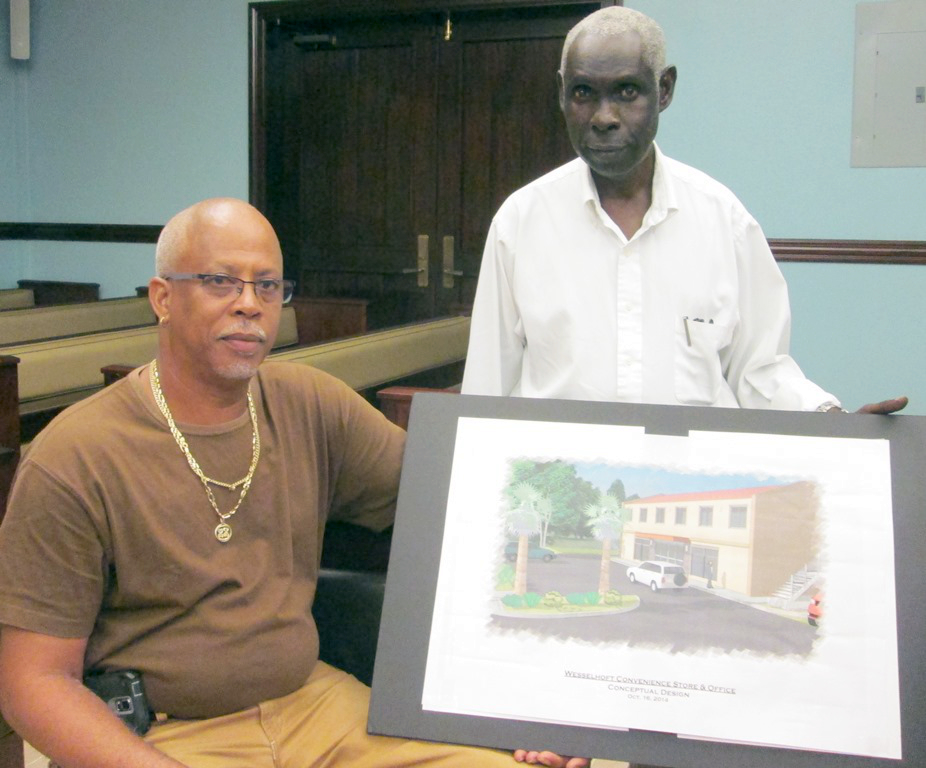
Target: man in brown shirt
x=171 y=524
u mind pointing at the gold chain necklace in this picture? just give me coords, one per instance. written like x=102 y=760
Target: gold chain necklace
x=223 y=531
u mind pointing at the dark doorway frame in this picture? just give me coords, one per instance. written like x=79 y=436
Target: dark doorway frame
x=268 y=19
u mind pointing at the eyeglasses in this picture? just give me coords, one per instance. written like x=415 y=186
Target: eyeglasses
x=268 y=289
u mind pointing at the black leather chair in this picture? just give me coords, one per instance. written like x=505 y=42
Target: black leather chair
x=347 y=610
x=349 y=599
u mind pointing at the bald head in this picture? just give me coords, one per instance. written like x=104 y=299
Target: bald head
x=617 y=20
x=215 y=333
x=191 y=226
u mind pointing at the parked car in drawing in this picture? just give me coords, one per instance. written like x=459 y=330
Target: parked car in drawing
x=534 y=552
x=815 y=610
x=657 y=575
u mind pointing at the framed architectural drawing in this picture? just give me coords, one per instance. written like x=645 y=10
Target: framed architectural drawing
x=666 y=585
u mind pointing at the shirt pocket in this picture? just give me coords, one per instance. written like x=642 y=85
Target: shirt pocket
x=698 y=373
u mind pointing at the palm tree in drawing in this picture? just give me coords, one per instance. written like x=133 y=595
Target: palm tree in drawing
x=523 y=520
x=607 y=523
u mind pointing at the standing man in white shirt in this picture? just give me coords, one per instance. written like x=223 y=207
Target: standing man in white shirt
x=625 y=275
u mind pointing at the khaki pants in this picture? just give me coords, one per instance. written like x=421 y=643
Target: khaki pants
x=321 y=724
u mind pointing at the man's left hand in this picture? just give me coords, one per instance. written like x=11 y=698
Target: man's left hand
x=885 y=406
x=550 y=759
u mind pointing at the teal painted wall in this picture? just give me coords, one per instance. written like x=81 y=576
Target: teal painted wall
x=126 y=112
x=857 y=332
x=764 y=104
x=129 y=110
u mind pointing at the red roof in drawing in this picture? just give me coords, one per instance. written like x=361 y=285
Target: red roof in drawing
x=718 y=495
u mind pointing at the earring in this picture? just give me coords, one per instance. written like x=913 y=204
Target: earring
x=163 y=320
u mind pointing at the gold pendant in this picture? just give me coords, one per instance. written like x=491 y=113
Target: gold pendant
x=223 y=532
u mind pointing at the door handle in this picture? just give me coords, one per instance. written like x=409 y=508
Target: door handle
x=422 y=269
x=449 y=271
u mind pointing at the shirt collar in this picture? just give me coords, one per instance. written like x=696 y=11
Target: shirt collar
x=664 y=198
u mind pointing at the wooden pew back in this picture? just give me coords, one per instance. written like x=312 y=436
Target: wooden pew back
x=16 y=298
x=60 y=372
x=391 y=355
x=58 y=320
x=61 y=291
x=56 y=373
x=371 y=360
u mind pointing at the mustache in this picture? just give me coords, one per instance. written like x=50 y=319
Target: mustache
x=245 y=327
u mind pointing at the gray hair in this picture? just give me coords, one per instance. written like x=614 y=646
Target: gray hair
x=173 y=242
x=615 y=20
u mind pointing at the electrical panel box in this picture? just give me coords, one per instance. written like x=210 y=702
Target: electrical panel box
x=889 y=104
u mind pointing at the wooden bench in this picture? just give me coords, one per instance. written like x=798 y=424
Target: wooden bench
x=396 y=402
x=59 y=372
x=59 y=320
x=60 y=291
x=428 y=353
x=316 y=319
x=388 y=365
x=16 y=298
x=320 y=319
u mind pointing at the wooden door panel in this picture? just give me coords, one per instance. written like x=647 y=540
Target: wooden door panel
x=513 y=130
x=511 y=133
x=361 y=106
x=281 y=127
x=354 y=158
x=378 y=129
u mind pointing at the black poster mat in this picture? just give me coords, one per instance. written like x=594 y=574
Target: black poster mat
x=794 y=635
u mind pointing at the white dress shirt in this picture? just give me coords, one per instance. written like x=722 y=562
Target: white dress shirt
x=692 y=309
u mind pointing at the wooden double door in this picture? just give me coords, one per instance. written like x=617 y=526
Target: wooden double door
x=384 y=140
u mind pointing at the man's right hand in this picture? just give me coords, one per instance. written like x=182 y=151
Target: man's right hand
x=549 y=759
x=43 y=698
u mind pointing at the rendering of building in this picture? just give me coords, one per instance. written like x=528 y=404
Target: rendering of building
x=750 y=540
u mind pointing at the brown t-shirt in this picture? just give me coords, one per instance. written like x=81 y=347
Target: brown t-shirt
x=109 y=534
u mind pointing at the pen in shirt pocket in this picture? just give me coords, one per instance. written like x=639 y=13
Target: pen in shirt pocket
x=694 y=320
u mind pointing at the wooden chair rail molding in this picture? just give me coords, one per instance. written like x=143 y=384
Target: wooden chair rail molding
x=850 y=251
x=86 y=233
x=837 y=251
